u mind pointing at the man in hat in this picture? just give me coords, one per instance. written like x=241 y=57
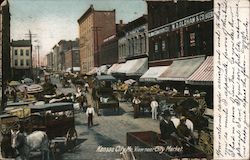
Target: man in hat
x=167 y=127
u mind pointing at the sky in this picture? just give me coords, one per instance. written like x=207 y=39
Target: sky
x=53 y=20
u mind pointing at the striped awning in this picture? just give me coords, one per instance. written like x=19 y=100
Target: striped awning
x=204 y=74
x=182 y=69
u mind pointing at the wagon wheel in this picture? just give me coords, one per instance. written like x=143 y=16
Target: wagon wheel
x=206 y=142
x=202 y=107
x=71 y=138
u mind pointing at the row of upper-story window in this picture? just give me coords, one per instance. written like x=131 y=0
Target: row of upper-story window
x=133 y=46
x=22 y=62
x=21 y=51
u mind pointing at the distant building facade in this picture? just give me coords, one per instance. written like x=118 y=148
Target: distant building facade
x=109 y=51
x=72 y=58
x=94 y=27
x=134 y=41
x=55 y=64
x=21 y=59
x=49 y=58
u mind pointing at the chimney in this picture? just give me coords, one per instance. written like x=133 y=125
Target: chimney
x=121 y=22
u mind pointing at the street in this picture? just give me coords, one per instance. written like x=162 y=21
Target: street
x=109 y=130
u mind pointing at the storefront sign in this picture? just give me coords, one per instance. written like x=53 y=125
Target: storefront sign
x=184 y=22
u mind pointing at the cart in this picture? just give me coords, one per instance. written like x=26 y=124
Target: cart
x=105 y=93
x=148 y=145
x=57 y=120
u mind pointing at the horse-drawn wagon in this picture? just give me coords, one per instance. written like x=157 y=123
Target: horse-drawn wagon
x=105 y=93
x=54 y=121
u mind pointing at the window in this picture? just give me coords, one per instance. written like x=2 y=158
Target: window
x=16 y=52
x=27 y=52
x=27 y=63
x=16 y=62
x=156 y=47
x=21 y=52
x=21 y=62
x=192 y=39
x=163 y=45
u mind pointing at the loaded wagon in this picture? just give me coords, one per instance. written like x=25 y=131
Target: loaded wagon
x=105 y=93
x=148 y=145
x=56 y=119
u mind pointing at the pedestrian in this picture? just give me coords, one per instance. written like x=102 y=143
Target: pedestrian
x=183 y=130
x=136 y=104
x=154 y=106
x=86 y=86
x=167 y=128
x=90 y=112
x=186 y=92
x=25 y=93
x=14 y=95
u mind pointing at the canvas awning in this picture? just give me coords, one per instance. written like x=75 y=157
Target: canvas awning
x=135 y=67
x=105 y=78
x=153 y=73
x=92 y=71
x=182 y=69
x=204 y=74
x=112 y=68
x=102 y=70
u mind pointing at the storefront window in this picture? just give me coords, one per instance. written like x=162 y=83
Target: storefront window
x=163 y=45
x=156 y=47
x=192 y=39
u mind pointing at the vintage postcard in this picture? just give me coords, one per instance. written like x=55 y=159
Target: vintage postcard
x=124 y=79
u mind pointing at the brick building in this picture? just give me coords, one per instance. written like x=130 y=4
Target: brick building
x=179 y=29
x=72 y=57
x=94 y=27
x=49 y=58
x=134 y=41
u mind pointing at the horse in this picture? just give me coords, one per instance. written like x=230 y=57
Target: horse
x=27 y=143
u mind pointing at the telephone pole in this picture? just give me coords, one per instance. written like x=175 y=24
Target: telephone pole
x=30 y=35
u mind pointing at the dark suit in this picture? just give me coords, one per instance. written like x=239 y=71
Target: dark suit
x=167 y=128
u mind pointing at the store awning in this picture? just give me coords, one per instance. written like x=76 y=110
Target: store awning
x=118 y=69
x=153 y=73
x=92 y=71
x=182 y=69
x=112 y=68
x=102 y=70
x=106 y=78
x=204 y=74
x=135 y=67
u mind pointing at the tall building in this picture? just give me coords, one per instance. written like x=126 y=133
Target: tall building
x=21 y=59
x=55 y=65
x=94 y=27
x=72 y=56
x=49 y=61
x=5 y=74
